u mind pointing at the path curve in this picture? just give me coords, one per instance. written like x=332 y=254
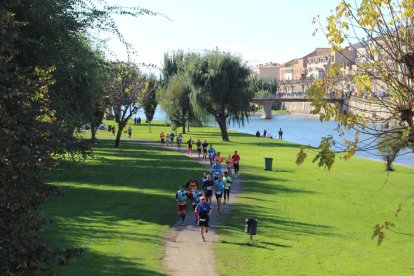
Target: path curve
x=184 y=243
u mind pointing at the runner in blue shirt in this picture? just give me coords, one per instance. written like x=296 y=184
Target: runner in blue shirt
x=203 y=212
x=211 y=154
x=218 y=188
x=181 y=198
x=216 y=169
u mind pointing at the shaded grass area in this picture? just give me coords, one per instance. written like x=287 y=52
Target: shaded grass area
x=311 y=221
x=118 y=206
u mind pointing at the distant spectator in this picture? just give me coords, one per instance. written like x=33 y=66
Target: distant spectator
x=280 y=134
x=129 y=132
x=264 y=133
x=257 y=133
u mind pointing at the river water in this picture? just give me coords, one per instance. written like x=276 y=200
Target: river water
x=303 y=130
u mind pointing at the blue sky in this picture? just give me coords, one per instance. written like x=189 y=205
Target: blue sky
x=259 y=31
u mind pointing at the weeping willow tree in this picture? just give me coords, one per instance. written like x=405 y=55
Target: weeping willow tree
x=222 y=88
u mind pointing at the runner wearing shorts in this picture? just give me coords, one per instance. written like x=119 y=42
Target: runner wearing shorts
x=227 y=185
x=204 y=146
x=181 y=198
x=236 y=163
x=229 y=164
x=208 y=187
x=199 y=148
x=203 y=212
x=218 y=188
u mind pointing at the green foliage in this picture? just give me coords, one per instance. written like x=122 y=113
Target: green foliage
x=222 y=88
x=263 y=86
x=148 y=97
x=124 y=90
x=175 y=100
x=380 y=33
x=325 y=157
x=51 y=82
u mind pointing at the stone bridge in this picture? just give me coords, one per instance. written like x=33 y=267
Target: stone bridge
x=268 y=100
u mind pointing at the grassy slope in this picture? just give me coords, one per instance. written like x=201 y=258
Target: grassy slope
x=311 y=221
x=118 y=208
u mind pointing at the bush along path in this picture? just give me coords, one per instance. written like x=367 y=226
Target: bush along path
x=185 y=251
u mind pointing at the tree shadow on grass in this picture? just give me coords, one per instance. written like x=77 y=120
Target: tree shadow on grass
x=137 y=167
x=267 y=185
x=256 y=244
x=92 y=264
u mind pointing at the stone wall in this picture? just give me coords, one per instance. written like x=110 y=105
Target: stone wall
x=297 y=107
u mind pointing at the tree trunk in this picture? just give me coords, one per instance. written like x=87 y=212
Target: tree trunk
x=121 y=127
x=183 y=128
x=149 y=126
x=389 y=160
x=223 y=128
x=118 y=138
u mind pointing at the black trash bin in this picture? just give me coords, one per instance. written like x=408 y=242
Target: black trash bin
x=251 y=226
x=268 y=163
x=109 y=127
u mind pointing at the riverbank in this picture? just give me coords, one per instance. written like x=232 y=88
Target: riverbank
x=309 y=219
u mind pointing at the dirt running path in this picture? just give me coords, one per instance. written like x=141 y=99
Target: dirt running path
x=185 y=252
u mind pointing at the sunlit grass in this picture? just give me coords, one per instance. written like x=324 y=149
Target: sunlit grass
x=311 y=221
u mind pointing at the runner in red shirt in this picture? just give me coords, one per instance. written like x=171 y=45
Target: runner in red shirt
x=236 y=163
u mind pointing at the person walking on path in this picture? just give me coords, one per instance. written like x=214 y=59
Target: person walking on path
x=211 y=154
x=181 y=198
x=199 y=148
x=229 y=164
x=172 y=135
x=280 y=134
x=203 y=212
x=227 y=185
x=113 y=130
x=129 y=132
x=218 y=190
x=162 y=138
x=190 y=146
x=179 y=141
x=236 y=163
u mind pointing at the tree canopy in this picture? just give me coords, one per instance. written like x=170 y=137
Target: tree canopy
x=380 y=78
x=50 y=84
x=222 y=88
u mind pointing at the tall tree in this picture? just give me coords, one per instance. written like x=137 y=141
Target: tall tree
x=44 y=96
x=123 y=92
x=263 y=85
x=222 y=88
x=175 y=69
x=175 y=100
x=381 y=77
x=148 y=98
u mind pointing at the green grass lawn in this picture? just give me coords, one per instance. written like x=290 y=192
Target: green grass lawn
x=311 y=221
x=119 y=208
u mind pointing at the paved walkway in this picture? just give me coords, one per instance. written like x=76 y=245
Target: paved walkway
x=185 y=252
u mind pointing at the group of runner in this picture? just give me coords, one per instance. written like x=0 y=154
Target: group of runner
x=200 y=193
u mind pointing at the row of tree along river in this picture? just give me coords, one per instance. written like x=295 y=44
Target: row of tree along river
x=305 y=130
